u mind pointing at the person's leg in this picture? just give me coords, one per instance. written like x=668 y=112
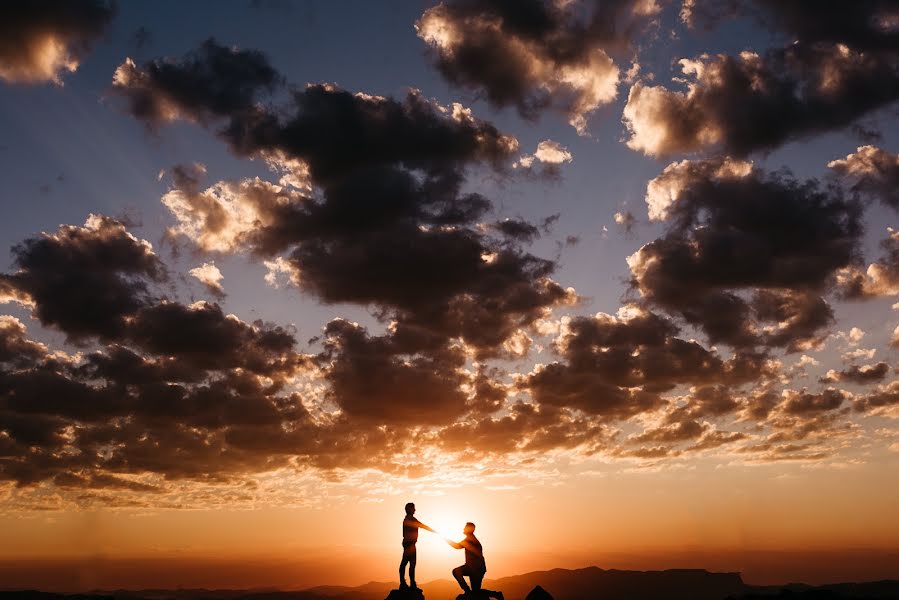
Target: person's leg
x=403 y=570
x=412 y=560
x=476 y=579
x=408 y=554
x=458 y=573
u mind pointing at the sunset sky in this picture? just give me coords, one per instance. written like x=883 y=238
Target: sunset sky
x=616 y=280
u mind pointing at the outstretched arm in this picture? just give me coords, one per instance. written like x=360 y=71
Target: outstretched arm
x=423 y=526
x=455 y=545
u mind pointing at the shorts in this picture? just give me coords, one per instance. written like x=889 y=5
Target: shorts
x=472 y=571
x=409 y=550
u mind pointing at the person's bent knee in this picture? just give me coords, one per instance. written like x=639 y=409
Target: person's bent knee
x=457 y=572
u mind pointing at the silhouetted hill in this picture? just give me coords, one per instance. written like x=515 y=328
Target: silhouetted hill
x=591 y=583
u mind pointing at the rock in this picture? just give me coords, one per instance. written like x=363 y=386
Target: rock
x=481 y=595
x=406 y=594
x=538 y=593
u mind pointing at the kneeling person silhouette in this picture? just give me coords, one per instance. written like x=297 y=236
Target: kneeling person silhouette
x=411 y=526
x=475 y=566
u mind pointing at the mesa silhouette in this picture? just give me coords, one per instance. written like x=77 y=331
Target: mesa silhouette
x=591 y=583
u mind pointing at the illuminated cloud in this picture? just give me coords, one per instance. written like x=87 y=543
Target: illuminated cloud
x=41 y=41
x=224 y=217
x=873 y=172
x=549 y=153
x=210 y=276
x=881 y=278
x=389 y=225
x=625 y=220
x=535 y=55
x=759 y=101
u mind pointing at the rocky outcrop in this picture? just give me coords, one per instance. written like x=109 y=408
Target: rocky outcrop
x=406 y=594
x=538 y=593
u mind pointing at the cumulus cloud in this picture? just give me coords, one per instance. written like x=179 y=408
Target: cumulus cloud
x=85 y=280
x=210 y=276
x=617 y=366
x=869 y=24
x=747 y=255
x=858 y=374
x=625 y=220
x=883 y=398
x=758 y=102
x=388 y=224
x=881 y=278
x=375 y=377
x=549 y=153
x=158 y=398
x=41 y=41
x=535 y=55
x=211 y=82
x=873 y=172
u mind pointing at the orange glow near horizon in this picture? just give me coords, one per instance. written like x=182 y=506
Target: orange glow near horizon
x=704 y=519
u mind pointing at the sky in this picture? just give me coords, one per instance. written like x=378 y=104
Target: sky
x=615 y=280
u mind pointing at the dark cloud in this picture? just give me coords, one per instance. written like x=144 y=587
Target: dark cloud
x=40 y=40
x=535 y=54
x=616 y=367
x=517 y=229
x=203 y=337
x=885 y=397
x=865 y=24
x=680 y=431
x=85 y=280
x=211 y=82
x=374 y=378
x=800 y=403
x=861 y=375
x=840 y=65
x=389 y=224
x=747 y=256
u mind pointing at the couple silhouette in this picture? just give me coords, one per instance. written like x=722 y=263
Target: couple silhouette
x=474 y=568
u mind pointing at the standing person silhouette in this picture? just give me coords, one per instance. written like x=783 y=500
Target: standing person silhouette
x=411 y=526
x=475 y=567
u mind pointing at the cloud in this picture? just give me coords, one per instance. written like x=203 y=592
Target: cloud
x=380 y=217
x=625 y=220
x=616 y=366
x=799 y=403
x=883 y=398
x=210 y=276
x=525 y=428
x=881 y=278
x=858 y=374
x=549 y=154
x=869 y=25
x=873 y=172
x=85 y=280
x=535 y=55
x=746 y=255
x=209 y=83
x=375 y=378
x=41 y=41
x=758 y=102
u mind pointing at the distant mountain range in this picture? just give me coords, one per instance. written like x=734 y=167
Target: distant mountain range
x=591 y=583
